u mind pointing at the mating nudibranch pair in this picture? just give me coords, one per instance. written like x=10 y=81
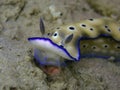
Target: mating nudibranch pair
x=98 y=38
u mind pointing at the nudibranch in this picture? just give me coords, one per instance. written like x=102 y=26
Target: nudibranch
x=99 y=38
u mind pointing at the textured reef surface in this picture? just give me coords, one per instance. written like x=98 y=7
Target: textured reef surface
x=19 y=19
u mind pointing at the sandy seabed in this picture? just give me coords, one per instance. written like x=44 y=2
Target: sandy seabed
x=19 y=19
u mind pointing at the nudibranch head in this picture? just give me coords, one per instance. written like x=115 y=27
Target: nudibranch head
x=54 y=43
x=47 y=45
x=47 y=58
x=48 y=62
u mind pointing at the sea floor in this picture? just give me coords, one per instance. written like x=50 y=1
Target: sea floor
x=19 y=19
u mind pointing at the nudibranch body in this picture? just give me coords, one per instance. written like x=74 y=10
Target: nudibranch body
x=98 y=38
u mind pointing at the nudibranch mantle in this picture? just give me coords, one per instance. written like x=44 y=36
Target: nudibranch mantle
x=66 y=40
x=48 y=45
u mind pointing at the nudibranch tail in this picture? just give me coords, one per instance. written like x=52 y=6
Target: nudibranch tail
x=102 y=47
